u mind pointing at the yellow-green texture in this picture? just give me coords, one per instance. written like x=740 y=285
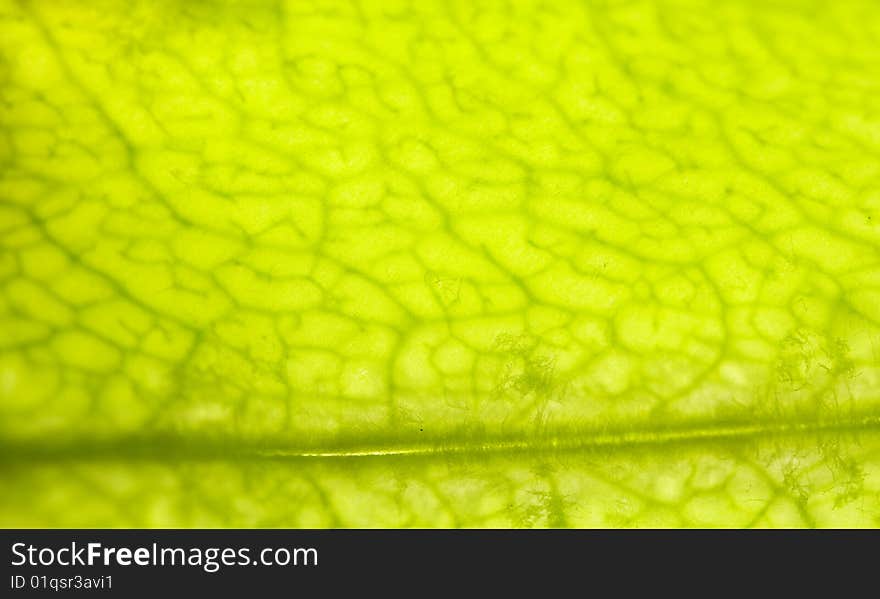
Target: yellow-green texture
x=564 y=263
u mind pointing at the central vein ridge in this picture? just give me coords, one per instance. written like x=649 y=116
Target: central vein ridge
x=560 y=441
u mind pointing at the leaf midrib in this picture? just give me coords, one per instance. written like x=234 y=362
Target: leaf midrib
x=168 y=447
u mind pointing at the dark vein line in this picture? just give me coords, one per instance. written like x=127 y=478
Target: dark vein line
x=163 y=447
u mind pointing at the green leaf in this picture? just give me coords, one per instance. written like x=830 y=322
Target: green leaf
x=438 y=263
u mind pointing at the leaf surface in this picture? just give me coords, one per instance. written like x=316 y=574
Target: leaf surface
x=439 y=263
